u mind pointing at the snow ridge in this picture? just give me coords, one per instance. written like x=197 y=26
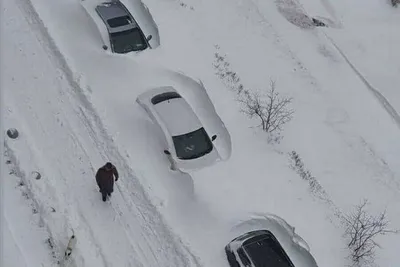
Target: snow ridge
x=379 y=96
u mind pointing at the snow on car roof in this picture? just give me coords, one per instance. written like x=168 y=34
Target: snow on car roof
x=109 y=10
x=178 y=117
x=116 y=17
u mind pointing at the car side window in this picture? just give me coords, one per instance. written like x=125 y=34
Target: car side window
x=243 y=257
x=232 y=259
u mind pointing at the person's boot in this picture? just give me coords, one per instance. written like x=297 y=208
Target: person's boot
x=104 y=195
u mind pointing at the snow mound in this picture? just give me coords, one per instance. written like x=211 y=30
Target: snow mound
x=293 y=12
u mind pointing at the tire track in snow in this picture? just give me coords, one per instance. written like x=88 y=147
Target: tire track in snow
x=382 y=100
x=67 y=216
x=117 y=209
x=32 y=22
x=331 y=10
x=15 y=170
x=267 y=29
x=143 y=207
x=16 y=244
x=128 y=191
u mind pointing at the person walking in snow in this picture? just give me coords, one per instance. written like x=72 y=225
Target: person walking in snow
x=105 y=179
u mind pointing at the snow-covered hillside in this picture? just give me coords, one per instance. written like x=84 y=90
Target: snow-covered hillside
x=74 y=105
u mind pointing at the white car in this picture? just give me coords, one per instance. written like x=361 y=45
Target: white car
x=268 y=240
x=123 y=27
x=188 y=145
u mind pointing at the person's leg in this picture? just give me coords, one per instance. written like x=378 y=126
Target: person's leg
x=104 y=196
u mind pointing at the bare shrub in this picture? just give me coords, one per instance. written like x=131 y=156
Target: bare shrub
x=395 y=2
x=271 y=109
x=361 y=229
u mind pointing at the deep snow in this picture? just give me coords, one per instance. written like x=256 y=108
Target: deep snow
x=58 y=140
x=345 y=137
x=22 y=235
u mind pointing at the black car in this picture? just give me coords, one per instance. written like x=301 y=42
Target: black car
x=257 y=248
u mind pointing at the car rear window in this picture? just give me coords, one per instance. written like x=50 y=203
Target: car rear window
x=119 y=21
x=127 y=41
x=164 y=97
x=266 y=251
x=192 y=145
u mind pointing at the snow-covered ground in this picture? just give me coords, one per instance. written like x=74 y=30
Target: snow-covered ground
x=74 y=105
x=22 y=233
x=60 y=140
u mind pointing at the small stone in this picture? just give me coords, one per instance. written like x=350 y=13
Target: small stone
x=12 y=133
x=318 y=23
x=36 y=175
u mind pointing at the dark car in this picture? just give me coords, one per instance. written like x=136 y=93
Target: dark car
x=118 y=28
x=275 y=246
x=125 y=34
x=258 y=248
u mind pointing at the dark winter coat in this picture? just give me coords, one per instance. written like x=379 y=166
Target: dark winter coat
x=105 y=179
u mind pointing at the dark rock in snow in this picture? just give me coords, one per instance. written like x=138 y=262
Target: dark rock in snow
x=36 y=175
x=318 y=23
x=12 y=133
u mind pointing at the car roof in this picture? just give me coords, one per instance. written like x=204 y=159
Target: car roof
x=178 y=116
x=115 y=9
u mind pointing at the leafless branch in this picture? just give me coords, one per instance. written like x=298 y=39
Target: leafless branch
x=271 y=109
x=361 y=230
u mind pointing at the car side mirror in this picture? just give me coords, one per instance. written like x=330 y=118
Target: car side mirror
x=166 y=152
x=105 y=47
x=301 y=242
x=149 y=38
x=213 y=137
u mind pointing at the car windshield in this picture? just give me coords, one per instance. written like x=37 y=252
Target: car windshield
x=127 y=41
x=267 y=252
x=192 y=145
